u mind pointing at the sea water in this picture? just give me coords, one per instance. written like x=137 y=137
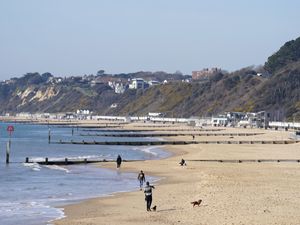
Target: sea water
x=31 y=194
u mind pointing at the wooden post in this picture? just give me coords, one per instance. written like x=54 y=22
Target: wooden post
x=72 y=131
x=49 y=136
x=66 y=161
x=27 y=160
x=7 y=152
x=85 y=160
x=46 y=160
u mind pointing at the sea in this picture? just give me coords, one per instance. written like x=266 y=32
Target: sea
x=34 y=194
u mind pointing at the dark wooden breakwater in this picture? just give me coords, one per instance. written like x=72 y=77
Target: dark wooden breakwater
x=244 y=160
x=170 y=134
x=67 y=161
x=144 y=130
x=135 y=143
x=140 y=143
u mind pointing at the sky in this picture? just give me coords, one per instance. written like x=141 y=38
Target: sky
x=77 y=37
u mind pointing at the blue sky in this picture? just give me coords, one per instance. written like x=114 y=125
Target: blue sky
x=77 y=37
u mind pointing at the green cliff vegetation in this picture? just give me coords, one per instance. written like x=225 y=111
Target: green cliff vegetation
x=288 y=53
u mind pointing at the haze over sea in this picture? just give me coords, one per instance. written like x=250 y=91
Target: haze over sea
x=30 y=193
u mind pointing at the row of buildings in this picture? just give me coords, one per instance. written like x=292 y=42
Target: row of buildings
x=136 y=83
x=230 y=119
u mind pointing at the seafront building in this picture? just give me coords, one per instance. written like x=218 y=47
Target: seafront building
x=229 y=119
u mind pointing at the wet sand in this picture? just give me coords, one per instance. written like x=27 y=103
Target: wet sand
x=231 y=193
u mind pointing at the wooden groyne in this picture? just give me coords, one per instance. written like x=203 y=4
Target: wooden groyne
x=169 y=134
x=183 y=129
x=134 y=143
x=66 y=161
x=117 y=130
x=143 y=143
x=148 y=130
x=91 y=127
x=244 y=160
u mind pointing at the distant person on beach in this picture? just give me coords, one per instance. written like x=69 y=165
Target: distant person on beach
x=193 y=137
x=148 y=195
x=119 y=161
x=182 y=162
x=141 y=178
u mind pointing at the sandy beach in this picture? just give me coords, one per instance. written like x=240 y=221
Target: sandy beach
x=231 y=193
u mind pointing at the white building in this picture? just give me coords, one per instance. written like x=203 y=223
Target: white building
x=119 y=88
x=153 y=82
x=137 y=83
x=114 y=105
x=24 y=115
x=219 y=121
x=155 y=114
x=83 y=111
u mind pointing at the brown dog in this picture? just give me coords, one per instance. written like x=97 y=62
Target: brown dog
x=154 y=208
x=196 y=202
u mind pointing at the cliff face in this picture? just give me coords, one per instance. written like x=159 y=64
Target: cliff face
x=22 y=96
x=277 y=91
x=31 y=94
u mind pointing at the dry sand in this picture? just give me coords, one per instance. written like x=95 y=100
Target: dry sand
x=232 y=193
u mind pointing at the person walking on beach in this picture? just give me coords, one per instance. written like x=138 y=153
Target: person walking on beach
x=148 y=195
x=141 y=178
x=119 y=161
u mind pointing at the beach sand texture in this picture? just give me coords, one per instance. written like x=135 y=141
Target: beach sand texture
x=231 y=193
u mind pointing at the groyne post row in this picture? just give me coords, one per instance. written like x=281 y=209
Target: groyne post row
x=170 y=135
x=67 y=161
x=150 y=130
x=141 y=143
x=244 y=160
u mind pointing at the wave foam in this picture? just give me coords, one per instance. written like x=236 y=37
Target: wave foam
x=15 y=212
x=34 y=166
x=55 y=167
x=39 y=159
x=148 y=150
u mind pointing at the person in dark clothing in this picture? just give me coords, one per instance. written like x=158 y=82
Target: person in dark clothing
x=141 y=178
x=182 y=162
x=148 y=195
x=119 y=161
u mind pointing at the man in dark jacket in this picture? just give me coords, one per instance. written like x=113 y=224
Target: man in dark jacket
x=148 y=195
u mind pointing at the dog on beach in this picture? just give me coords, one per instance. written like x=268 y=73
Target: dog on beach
x=196 y=203
x=154 y=208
